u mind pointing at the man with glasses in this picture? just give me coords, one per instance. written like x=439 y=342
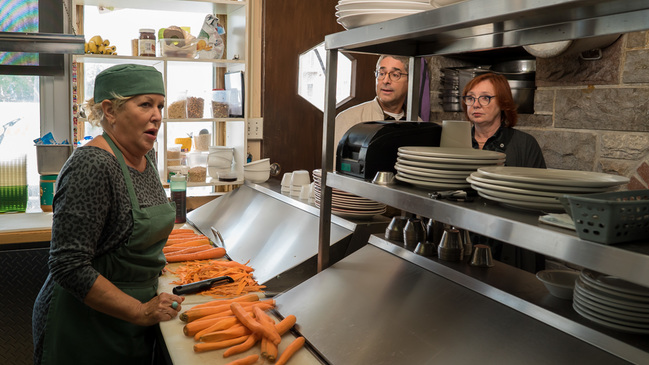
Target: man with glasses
x=391 y=90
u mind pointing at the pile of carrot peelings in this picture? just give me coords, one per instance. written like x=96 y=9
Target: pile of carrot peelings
x=237 y=325
x=193 y=271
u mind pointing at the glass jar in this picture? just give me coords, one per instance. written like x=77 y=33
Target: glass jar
x=146 y=43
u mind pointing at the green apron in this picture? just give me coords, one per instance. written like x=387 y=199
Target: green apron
x=78 y=334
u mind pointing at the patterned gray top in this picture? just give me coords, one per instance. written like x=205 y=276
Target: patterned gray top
x=92 y=216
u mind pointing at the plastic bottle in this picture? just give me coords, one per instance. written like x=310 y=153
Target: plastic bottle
x=178 y=187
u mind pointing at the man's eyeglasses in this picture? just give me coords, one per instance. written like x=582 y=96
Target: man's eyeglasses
x=484 y=100
x=394 y=75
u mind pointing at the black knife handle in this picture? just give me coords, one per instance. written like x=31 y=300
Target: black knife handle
x=199 y=286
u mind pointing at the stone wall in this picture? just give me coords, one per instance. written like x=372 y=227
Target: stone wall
x=590 y=115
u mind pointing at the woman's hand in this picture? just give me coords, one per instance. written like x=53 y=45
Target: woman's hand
x=161 y=308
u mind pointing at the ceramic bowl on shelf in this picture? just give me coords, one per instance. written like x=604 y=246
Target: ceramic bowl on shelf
x=560 y=283
x=256 y=177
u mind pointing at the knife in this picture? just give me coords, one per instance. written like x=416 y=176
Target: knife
x=199 y=286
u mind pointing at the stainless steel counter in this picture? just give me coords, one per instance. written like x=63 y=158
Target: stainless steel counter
x=385 y=305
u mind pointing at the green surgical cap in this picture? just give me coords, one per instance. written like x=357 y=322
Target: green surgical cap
x=127 y=80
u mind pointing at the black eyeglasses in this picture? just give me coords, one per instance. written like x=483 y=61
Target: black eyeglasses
x=484 y=100
x=394 y=75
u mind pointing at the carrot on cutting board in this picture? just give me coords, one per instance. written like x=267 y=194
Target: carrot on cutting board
x=177 y=231
x=217 y=345
x=268 y=348
x=220 y=324
x=242 y=298
x=248 y=360
x=235 y=331
x=290 y=350
x=242 y=347
x=212 y=253
x=252 y=324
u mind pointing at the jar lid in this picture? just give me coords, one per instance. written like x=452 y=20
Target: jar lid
x=146 y=30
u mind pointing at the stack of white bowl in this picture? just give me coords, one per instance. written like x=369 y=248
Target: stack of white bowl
x=299 y=179
x=219 y=160
x=286 y=183
x=257 y=171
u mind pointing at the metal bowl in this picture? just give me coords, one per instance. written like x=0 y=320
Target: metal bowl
x=516 y=66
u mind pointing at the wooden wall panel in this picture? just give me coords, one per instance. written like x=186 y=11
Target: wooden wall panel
x=292 y=126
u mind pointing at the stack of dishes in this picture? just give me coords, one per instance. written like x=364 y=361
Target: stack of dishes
x=538 y=189
x=357 y=13
x=443 y=168
x=612 y=302
x=346 y=205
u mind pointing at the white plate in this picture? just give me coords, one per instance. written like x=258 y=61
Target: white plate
x=445 y=173
x=364 y=203
x=475 y=181
x=359 y=20
x=553 y=176
x=417 y=176
x=430 y=176
x=594 y=287
x=598 y=319
x=383 y=5
x=610 y=311
x=426 y=184
x=517 y=197
x=614 y=283
x=454 y=153
x=436 y=165
x=544 y=207
x=611 y=302
x=538 y=187
x=446 y=160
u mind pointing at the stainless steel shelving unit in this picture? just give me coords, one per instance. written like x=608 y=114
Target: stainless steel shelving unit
x=474 y=26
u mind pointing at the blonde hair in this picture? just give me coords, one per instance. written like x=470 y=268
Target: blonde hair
x=95 y=113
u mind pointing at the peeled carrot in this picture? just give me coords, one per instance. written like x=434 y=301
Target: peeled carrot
x=242 y=347
x=285 y=324
x=248 y=360
x=197 y=313
x=194 y=241
x=243 y=298
x=232 y=332
x=217 y=345
x=176 y=231
x=252 y=324
x=268 y=349
x=290 y=350
x=171 y=250
x=282 y=327
x=212 y=253
x=220 y=324
x=193 y=327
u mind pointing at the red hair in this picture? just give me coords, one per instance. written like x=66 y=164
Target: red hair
x=504 y=97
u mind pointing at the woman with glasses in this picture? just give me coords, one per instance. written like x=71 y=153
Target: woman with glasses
x=489 y=105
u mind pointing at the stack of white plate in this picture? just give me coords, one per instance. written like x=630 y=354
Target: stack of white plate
x=442 y=168
x=357 y=13
x=346 y=205
x=612 y=302
x=538 y=189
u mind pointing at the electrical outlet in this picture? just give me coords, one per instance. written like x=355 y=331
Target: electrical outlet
x=255 y=128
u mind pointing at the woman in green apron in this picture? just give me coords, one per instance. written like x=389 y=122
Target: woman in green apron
x=111 y=221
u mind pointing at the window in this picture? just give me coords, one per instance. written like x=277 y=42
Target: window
x=20 y=96
x=311 y=78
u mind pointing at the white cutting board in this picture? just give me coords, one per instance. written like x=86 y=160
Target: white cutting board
x=181 y=350
x=17 y=222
